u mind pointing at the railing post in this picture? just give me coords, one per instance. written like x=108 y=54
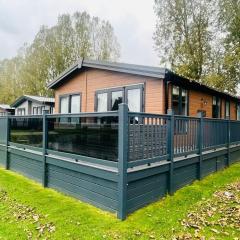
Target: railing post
x=7 y=142
x=228 y=141
x=44 y=147
x=170 y=148
x=122 y=160
x=200 y=144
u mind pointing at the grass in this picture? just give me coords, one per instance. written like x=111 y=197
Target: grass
x=27 y=211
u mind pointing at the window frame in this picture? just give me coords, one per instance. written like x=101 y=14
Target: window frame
x=180 y=99
x=69 y=96
x=22 y=110
x=124 y=90
x=237 y=113
x=227 y=117
x=220 y=107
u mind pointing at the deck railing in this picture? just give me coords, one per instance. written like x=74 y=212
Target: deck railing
x=106 y=147
x=96 y=135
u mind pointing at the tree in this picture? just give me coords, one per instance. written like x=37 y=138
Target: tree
x=200 y=40
x=182 y=36
x=56 y=48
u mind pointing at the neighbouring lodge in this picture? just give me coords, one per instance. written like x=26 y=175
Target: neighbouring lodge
x=99 y=86
x=32 y=105
x=6 y=110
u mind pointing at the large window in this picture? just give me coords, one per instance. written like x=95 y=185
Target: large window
x=70 y=103
x=216 y=107
x=227 y=109
x=38 y=110
x=109 y=99
x=21 y=112
x=179 y=100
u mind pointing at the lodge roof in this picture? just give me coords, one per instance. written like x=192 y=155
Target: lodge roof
x=148 y=71
x=5 y=107
x=38 y=99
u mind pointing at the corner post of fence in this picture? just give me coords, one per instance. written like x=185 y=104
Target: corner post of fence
x=122 y=159
x=44 y=147
x=7 y=141
x=170 y=149
x=228 y=140
x=200 y=144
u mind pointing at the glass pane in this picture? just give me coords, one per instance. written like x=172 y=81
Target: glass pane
x=64 y=104
x=91 y=136
x=238 y=112
x=102 y=102
x=184 y=102
x=227 y=109
x=26 y=131
x=117 y=98
x=134 y=100
x=34 y=111
x=75 y=104
x=175 y=100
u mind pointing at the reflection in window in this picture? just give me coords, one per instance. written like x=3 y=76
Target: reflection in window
x=117 y=98
x=216 y=107
x=238 y=111
x=227 y=109
x=102 y=102
x=184 y=102
x=109 y=99
x=134 y=100
x=179 y=101
x=175 y=100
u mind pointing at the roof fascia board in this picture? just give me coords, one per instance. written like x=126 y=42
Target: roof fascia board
x=63 y=75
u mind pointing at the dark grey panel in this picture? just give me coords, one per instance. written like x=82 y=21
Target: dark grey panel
x=28 y=167
x=184 y=175
x=146 y=190
x=209 y=166
x=99 y=192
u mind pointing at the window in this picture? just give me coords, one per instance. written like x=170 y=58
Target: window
x=179 y=100
x=70 y=103
x=35 y=111
x=216 y=107
x=117 y=98
x=134 y=100
x=109 y=99
x=64 y=105
x=21 y=111
x=227 y=109
x=102 y=102
x=238 y=111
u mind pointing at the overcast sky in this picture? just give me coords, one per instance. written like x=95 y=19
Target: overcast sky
x=133 y=22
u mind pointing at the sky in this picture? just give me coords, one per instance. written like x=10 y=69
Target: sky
x=133 y=21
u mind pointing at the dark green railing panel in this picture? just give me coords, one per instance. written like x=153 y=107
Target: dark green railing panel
x=147 y=136
x=215 y=132
x=26 y=130
x=95 y=137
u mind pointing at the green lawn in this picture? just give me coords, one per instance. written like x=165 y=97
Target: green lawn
x=207 y=208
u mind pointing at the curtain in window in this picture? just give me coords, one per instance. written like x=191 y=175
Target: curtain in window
x=134 y=100
x=102 y=102
x=64 y=105
x=75 y=104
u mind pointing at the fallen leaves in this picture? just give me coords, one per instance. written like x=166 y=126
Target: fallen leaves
x=22 y=212
x=219 y=215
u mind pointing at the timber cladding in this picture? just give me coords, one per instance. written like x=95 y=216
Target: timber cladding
x=199 y=101
x=89 y=81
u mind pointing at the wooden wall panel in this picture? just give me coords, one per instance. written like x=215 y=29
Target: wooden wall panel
x=91 y=80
